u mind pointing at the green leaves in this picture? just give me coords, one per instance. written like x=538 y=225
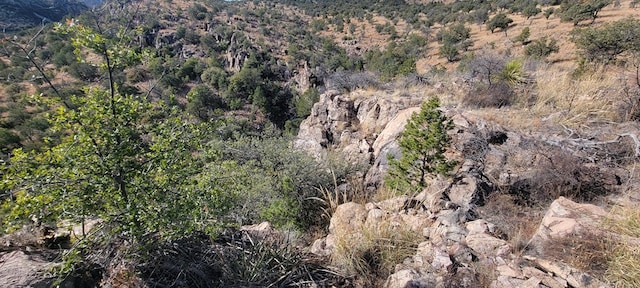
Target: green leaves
x=423 y=144
x=121 y=158
x=512 y=73
x=84 y=39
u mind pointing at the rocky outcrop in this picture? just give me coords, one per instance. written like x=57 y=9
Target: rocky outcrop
x=364 y=126
x=452 y=239
x=24 y=269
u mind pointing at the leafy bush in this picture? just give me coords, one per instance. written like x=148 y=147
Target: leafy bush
x=202 y=102
x=198 y=12
x=305 y=102
x=274 y=182
x=391 y=62
x=524 y=36
x=531 y=10
x=8 y=140
x=541 y=48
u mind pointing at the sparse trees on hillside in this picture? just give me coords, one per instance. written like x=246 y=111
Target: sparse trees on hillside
x=605 y=43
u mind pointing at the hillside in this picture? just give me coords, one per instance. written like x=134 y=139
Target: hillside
x=19 y=15
x=268 y=143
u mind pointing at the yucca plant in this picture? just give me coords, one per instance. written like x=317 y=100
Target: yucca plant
x=513 y=73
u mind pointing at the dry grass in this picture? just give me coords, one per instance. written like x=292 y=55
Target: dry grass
x=586 y=252
x=624 y=259
x=384 y=193
x=559 y=99
x=516 y=224
x=627 y=221
x=591 y=98
x=373 y=255
x=624 y=267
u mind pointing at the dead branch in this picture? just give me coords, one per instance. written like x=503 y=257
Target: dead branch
x=576 y=144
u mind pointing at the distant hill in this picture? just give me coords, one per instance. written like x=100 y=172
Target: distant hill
x=20 y=14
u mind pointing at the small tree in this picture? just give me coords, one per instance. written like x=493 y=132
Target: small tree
x=454 y=39
x=422 y=143
x=582 y=11
x=499 y=21
x=449 y=51
x=548 y=13
x=121 y=158
x=531 y=10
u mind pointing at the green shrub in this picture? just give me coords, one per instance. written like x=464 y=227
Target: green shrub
x=541 y=48
x=524 y=36
x=305 y=102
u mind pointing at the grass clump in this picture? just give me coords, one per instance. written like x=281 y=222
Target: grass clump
x=373 y=254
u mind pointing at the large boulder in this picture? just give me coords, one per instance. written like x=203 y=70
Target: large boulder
x=24 y=269
x=567 y=218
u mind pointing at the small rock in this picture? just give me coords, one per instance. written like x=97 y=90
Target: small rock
x=487 y=245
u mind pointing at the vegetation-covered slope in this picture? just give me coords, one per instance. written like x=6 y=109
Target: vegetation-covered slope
x=167 y=118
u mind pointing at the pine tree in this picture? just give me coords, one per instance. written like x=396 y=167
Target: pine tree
x=423 y=144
